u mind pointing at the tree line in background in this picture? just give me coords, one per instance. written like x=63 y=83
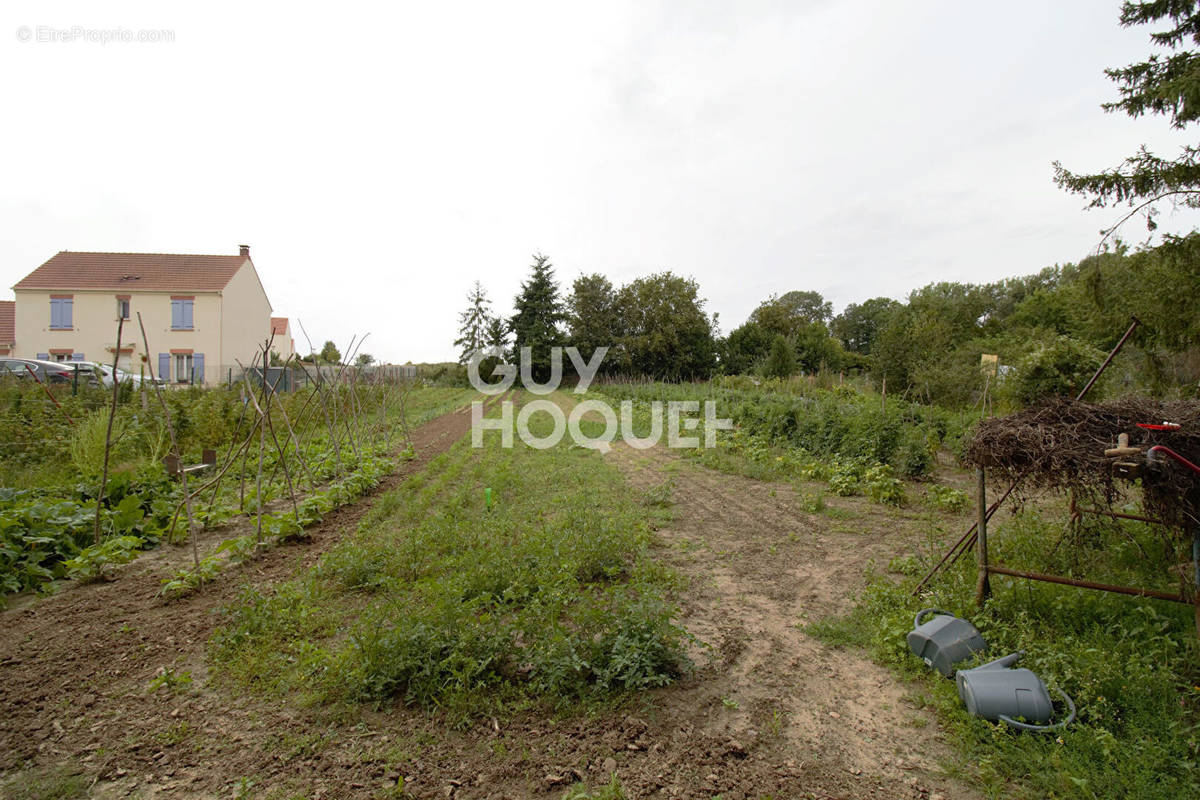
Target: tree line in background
x=654 y=327
x=1050 y=329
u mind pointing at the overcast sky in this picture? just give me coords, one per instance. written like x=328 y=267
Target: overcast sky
x=379 y=158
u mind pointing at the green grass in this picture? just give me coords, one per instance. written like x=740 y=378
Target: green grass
x=48 y=783
x=552 y=596
x=1130 y=664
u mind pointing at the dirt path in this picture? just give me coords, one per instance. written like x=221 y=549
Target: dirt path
x=770 y=712
x=829 y=721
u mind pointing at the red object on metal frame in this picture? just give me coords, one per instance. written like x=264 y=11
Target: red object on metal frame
x=1158 y=448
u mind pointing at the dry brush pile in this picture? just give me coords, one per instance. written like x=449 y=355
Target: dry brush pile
x=1060 y=445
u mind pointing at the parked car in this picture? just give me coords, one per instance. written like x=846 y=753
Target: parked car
x=51 y=371
x=124 y=376
x=13 y=368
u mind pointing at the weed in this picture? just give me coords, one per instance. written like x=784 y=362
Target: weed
x=168 y=678
x=244 y=789
x=812 y=503
x=174 y=735
x=660 y=496
x=609 y=791
x=776 y=722
x=945 y=498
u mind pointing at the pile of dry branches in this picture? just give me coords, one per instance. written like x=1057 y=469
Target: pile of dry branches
x=1061 y=444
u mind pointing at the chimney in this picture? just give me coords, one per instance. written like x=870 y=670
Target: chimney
x=244 y=250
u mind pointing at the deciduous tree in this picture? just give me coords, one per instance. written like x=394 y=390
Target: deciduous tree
x=593 y=318
x=329 y=353
x=667 y=334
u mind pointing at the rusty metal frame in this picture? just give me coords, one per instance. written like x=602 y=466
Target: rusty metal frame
x=987 y=569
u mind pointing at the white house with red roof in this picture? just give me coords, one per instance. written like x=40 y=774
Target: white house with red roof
x=8 y=326
x=282 y=342
x=202 y=313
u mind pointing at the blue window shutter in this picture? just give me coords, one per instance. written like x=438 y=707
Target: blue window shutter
x=198 y=368
x=43 y=356
x=164 y=366
x=60 y=312
x=187 y=313
x=176 y=313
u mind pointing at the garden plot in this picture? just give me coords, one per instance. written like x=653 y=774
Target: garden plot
x=112 y=684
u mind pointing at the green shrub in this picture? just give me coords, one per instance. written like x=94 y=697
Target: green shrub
x=945 y=498
x=882 y=487
x=846 y=478
x=1054 y=369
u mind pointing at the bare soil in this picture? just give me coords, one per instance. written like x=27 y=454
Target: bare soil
x=768 y=712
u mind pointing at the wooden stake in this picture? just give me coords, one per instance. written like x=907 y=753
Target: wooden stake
x=983 y=587
x=112 y=413
x=187 y=497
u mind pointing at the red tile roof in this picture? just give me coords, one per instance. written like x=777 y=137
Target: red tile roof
x=279 y=325
x=155 y=272
x=8 y=322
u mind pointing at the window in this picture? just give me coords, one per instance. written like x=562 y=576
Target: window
x=61 y=313
x=181 y=313
x=183 y=367
x=123 y=307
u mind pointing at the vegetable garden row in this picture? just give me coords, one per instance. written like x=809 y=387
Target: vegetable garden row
x=283 y=460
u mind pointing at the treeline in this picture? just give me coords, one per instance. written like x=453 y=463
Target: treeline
x=654 y=327
x=1050 y=330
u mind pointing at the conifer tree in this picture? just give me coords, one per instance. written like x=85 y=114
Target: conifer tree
x=473 y=324
x=1166 y=84
x=781 y=363
x=539 y=312
x=497 y=336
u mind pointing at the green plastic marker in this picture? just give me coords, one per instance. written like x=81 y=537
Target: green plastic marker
x=487 y=498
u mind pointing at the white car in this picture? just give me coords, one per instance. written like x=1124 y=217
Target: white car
x=106 y=375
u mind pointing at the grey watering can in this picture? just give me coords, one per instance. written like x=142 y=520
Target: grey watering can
x=944 y=640
x=996 y=692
